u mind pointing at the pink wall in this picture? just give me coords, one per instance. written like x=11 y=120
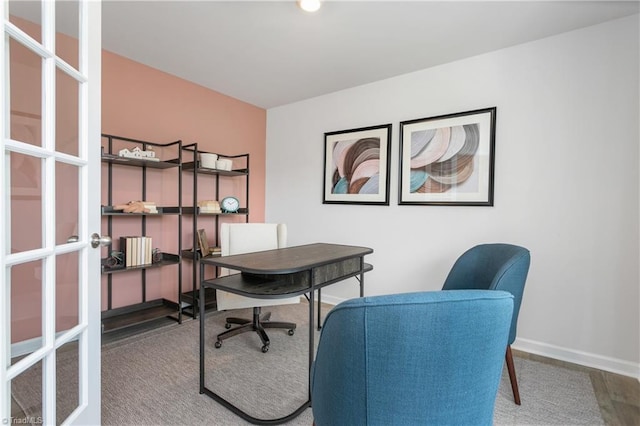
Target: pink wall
x=142 y=103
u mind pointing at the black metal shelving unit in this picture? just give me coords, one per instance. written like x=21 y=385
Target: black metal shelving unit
x=116 y=318
x=212 y=220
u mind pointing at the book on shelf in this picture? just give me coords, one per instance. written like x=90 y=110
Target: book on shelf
x=126 y=249
x=137 y=250
x=209 y=206
x=149 y=252
x=134 y=251
x=203 y=243
x=151 y=206
x=142 y=242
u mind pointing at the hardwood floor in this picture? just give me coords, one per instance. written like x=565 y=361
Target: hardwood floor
x=618 y=396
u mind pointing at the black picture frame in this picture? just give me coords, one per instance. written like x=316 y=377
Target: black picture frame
x=448 y=160
x=356 y=166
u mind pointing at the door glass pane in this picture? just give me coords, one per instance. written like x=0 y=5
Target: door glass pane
x=67 y=31
x=67 y=196
x=26 y=98
x=27 y=15
x=26 y=396
x=26 y=202
x=67 y=267
x=26 y=306
x=67 y=113
x=67 y=380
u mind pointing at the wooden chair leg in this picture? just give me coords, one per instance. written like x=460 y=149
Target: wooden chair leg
x=512 y=375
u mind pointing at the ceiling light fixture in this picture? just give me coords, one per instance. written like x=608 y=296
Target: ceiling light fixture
x=309 y=5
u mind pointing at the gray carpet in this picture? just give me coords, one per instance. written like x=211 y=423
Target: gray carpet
x=152 y=379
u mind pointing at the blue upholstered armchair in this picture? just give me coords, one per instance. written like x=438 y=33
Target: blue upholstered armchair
x=494 y=267
x=411 y=359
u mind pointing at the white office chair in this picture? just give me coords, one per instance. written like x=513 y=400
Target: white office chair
x=239 y=238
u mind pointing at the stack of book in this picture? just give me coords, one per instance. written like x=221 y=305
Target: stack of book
x=151 y=206
x=137 y=251
x=209 y=206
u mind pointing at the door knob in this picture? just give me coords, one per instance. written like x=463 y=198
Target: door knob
x=97 y=240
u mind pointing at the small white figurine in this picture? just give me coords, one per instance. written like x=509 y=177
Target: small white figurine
x=138 y=153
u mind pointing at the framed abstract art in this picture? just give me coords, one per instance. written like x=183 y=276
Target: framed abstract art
x=448 y=159
x=356 y=166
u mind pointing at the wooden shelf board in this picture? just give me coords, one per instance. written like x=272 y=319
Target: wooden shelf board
x=188 y=254
x=167 y=259
x=109 y=210
x=209 y=296
x=190 y=210
x=135 y=162
x=207 y=171
x=143 y=314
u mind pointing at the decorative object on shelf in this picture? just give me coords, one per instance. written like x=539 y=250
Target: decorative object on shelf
x=356 y=166
x=202 y=242
x=208 y=161
x=209 y=206
x=115 y=260
x=448 y=159
x=224 y=164
x=230 y=205
x=138 y=154
x=156 y=255
x=137 y=207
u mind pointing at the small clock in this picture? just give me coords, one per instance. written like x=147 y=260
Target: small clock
x=230 y=205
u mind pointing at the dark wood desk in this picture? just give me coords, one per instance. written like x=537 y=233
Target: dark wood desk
x=282 y=273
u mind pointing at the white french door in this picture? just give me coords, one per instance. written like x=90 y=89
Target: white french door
x=50 y=214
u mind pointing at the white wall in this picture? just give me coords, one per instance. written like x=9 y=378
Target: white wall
x=567 y=185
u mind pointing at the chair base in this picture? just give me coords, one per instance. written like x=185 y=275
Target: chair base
x=512 y=375
x=258 y=324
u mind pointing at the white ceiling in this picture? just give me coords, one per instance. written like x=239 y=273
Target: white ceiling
x=270 y=53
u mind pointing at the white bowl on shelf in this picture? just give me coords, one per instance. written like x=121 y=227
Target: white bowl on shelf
x=224 y=164
x=208 y=161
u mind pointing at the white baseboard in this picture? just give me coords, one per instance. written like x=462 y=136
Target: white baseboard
x=26 y=347
x=613 y=365
x=30 y=345
x=330 y=300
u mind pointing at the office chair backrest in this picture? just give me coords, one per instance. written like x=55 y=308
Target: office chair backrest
x=493 y=267
x=411 y=359
x=239 y=238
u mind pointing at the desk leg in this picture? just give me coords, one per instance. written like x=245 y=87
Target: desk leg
x=311 y=338
x=201 y=303
x=319 y=309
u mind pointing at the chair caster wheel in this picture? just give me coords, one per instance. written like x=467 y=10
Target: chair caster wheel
x=227 y=326
x=265 y=349
x=291 y=332
x=218 y=344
